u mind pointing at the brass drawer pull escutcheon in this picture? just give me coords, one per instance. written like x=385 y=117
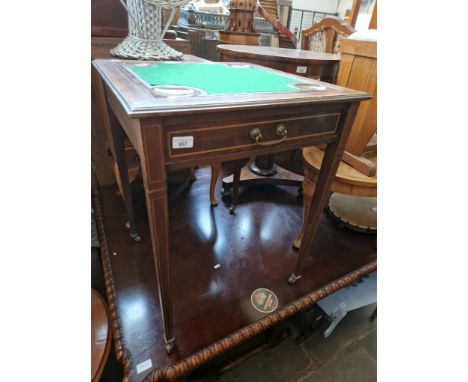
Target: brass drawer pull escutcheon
x=256 y=135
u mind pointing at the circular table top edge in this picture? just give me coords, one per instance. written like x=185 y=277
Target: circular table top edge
x=285 y=53
x=97 y=364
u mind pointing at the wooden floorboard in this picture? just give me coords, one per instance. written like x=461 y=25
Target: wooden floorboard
x=217 y=261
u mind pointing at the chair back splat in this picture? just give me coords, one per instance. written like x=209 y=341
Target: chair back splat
x=326 y=35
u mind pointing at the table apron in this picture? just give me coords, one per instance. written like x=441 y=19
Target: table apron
x=225 y=156
x=317 y=68
x=216 y=140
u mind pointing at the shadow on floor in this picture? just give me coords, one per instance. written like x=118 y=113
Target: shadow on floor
x=349 y=354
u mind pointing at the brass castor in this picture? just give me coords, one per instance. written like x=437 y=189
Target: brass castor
x=293 y=279
x=135 y=237
x=169 y=346
x=297 y=243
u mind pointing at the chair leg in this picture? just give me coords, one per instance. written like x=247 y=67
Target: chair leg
x=132 y=174
x=308 y=188
x=215 y=167
x=193 y=178
x=235 y=186
x=118 y=180
x=293 y=155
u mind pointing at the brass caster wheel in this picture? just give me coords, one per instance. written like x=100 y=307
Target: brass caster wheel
x=169 y=346
x=135 y=237
x=214 y=203
x=297 y=243
x=293 y=279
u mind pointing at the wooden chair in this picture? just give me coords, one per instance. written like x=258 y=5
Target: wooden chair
x=326 y=35
x=356 y=175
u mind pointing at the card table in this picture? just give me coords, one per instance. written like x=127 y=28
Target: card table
x=181 y=114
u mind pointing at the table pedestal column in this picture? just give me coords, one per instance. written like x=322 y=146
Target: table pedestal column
x=259 y=171
x=263 y=166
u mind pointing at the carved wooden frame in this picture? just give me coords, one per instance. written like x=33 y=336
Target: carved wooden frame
x=183 y=366
x=121 y=353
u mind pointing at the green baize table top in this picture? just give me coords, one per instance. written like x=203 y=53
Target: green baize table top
x=215 y=78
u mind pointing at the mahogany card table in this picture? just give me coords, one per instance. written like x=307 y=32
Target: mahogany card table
x=181 y=114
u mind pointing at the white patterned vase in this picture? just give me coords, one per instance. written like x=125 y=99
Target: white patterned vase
x=145 y=39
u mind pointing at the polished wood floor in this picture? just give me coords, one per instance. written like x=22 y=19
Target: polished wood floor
x=217 y=261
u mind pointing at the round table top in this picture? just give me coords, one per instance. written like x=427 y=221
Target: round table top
x=100 y=335
x=275 y=53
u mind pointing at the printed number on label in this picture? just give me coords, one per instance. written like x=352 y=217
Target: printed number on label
x=182 y=142
x=301 y=69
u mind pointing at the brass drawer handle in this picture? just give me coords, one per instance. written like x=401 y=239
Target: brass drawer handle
x=256 y=135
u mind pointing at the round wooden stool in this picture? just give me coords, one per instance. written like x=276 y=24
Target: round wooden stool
x=347 y=181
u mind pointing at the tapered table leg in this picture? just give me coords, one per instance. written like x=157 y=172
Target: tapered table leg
x=308 y=188
x=122 y=171
x=328 y=169
x=154 y=179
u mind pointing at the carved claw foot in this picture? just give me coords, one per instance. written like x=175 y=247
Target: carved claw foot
x=293 y=278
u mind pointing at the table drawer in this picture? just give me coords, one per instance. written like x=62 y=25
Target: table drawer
x=246 y=136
